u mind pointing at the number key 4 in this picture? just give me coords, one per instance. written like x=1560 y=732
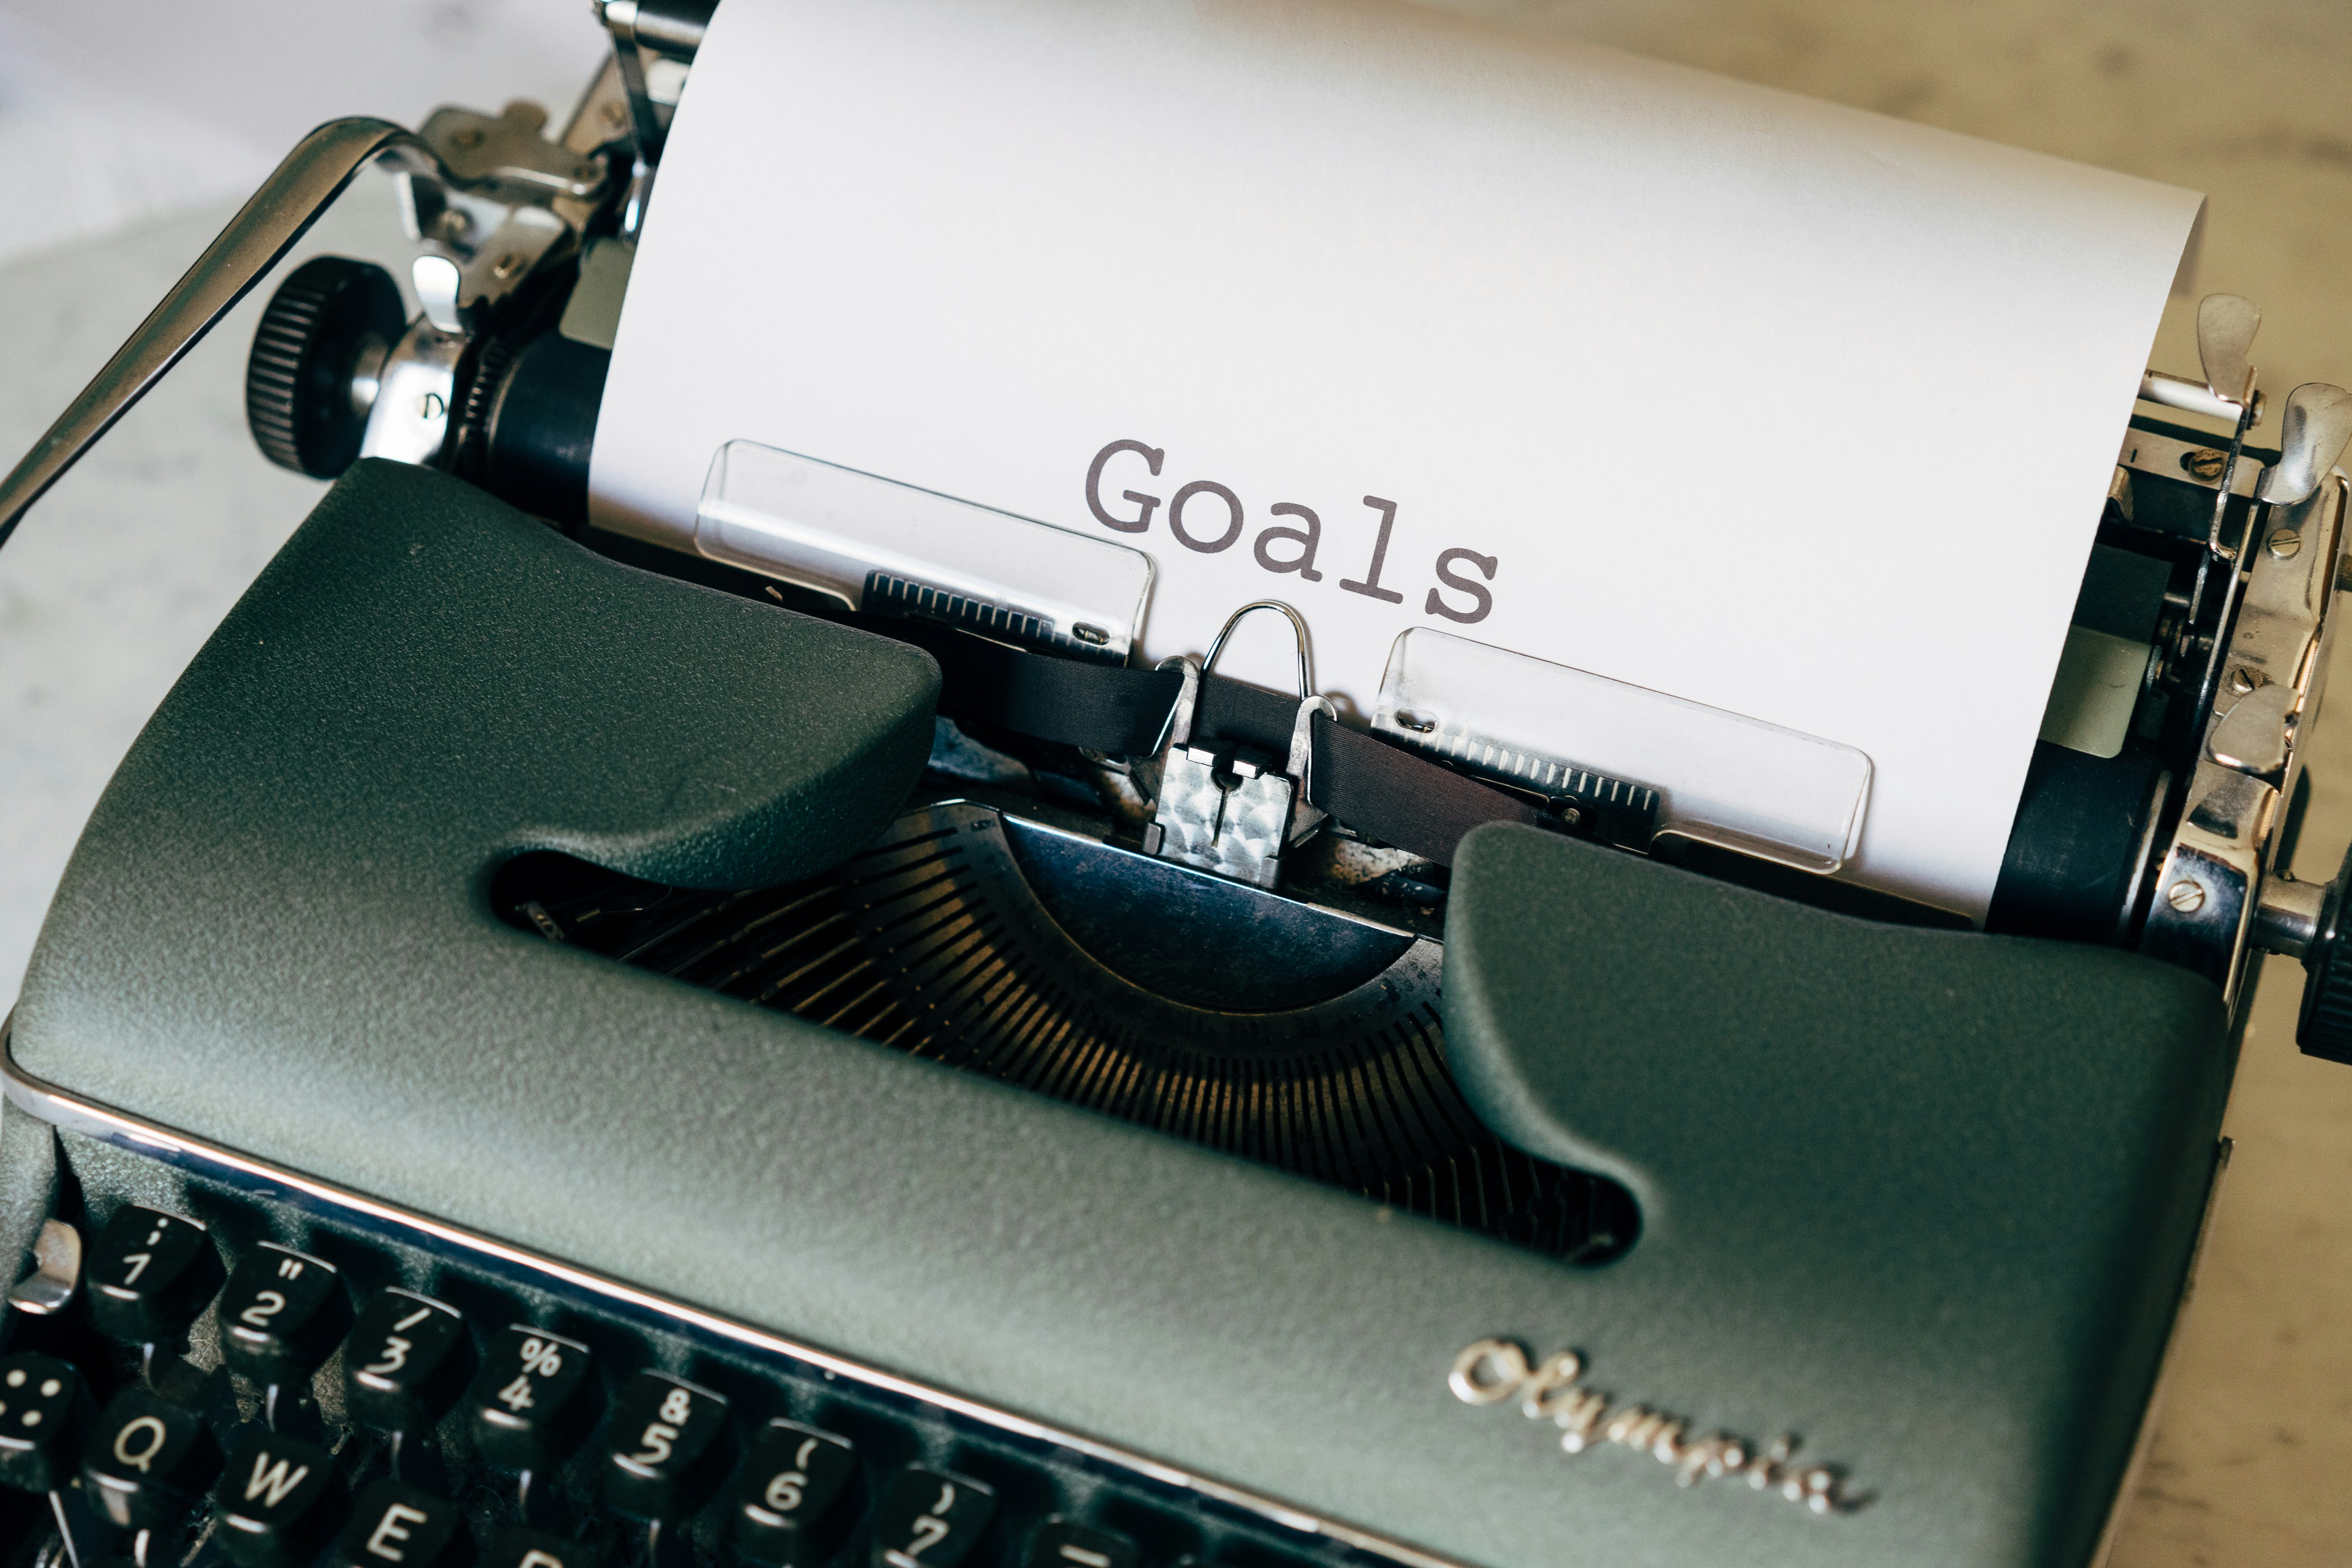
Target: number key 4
x=281 y=1314
x=532 y=1400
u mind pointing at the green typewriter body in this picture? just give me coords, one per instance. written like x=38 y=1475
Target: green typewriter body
x=1920 y=1201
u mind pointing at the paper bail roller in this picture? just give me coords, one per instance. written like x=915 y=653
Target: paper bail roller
x=876 y=544
x=1721 y=779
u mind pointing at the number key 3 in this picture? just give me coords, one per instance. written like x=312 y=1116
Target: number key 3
x=404 y=1362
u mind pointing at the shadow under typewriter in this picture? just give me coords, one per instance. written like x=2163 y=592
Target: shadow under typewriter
x=1282 y=1032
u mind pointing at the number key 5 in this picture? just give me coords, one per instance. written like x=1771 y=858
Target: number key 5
x=662 y=1453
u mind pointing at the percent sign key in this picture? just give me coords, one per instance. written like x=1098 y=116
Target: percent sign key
x=532 y=1399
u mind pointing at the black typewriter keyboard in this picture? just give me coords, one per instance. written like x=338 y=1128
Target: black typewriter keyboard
x=248 y=1376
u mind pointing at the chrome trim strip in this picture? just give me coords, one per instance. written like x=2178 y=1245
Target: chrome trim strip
x=61 y=1107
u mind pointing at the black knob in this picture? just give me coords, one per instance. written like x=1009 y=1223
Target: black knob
x=2326 y=1027
x=309 y=380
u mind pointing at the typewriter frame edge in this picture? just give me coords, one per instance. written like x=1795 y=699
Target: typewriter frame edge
x=60 y=1108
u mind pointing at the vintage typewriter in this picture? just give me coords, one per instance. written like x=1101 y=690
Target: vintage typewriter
x=555 y=1050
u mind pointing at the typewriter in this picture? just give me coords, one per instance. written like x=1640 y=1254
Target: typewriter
x=554 y=1050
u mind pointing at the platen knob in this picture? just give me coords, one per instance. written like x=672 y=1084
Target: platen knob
x=2326 y=1026
x=312 y=376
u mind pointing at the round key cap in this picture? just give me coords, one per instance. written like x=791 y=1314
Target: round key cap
x=516 y=1547
x=148 y=1275
x=783 y=1497
x=930 y=1519
x=404 y=1362
x=147 y=1461
x=277 y=1500
x=394 y=1525
x=532 y=1400
x=45 y=1418
x=660 y=1446
x=1065 y=1543
x=281 y=1314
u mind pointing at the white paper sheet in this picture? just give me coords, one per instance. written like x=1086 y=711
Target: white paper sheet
x=1767 y=404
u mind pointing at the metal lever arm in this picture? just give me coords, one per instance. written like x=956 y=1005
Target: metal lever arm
x=263 y=231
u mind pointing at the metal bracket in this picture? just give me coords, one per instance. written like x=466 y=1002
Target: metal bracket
x=1226 y=814
x=57 y=1271
x=2216 y=896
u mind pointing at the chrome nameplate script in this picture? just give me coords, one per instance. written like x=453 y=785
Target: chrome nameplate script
x=1491 y=1372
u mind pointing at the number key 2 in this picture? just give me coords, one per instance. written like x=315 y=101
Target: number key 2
x=281 y=1314
x=789 y=1481
x=662 y=1430
x=532 y=1400
x=930 y=1519
x=404 y=1362
x=149 y=1276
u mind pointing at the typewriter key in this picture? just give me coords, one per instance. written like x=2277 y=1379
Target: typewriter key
x=149 y=1276
x=662 y=1434
x=1065 y=1543
x=277 y=1500
x=45 y=1418
x=516 y=1547
x=280 y=1316
x=395 y=1524
x=404 y=1362
x=147 y=1461
x=532 y=1400
x=789 y=1483
x=930 y=1519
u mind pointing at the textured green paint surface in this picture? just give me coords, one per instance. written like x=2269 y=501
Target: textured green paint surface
x=1934 y=1189
x=1922 y=1199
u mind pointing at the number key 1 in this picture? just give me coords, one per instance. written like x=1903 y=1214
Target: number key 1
x=149 y=1274
x=789 y=1482
x=404 y=1362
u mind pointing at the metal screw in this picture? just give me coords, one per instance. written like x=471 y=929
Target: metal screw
x=2185 y=896
x=508 y=266
x=2284 y=542
x=1419 y=723
x=2205 y=462
x=2242 y=680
